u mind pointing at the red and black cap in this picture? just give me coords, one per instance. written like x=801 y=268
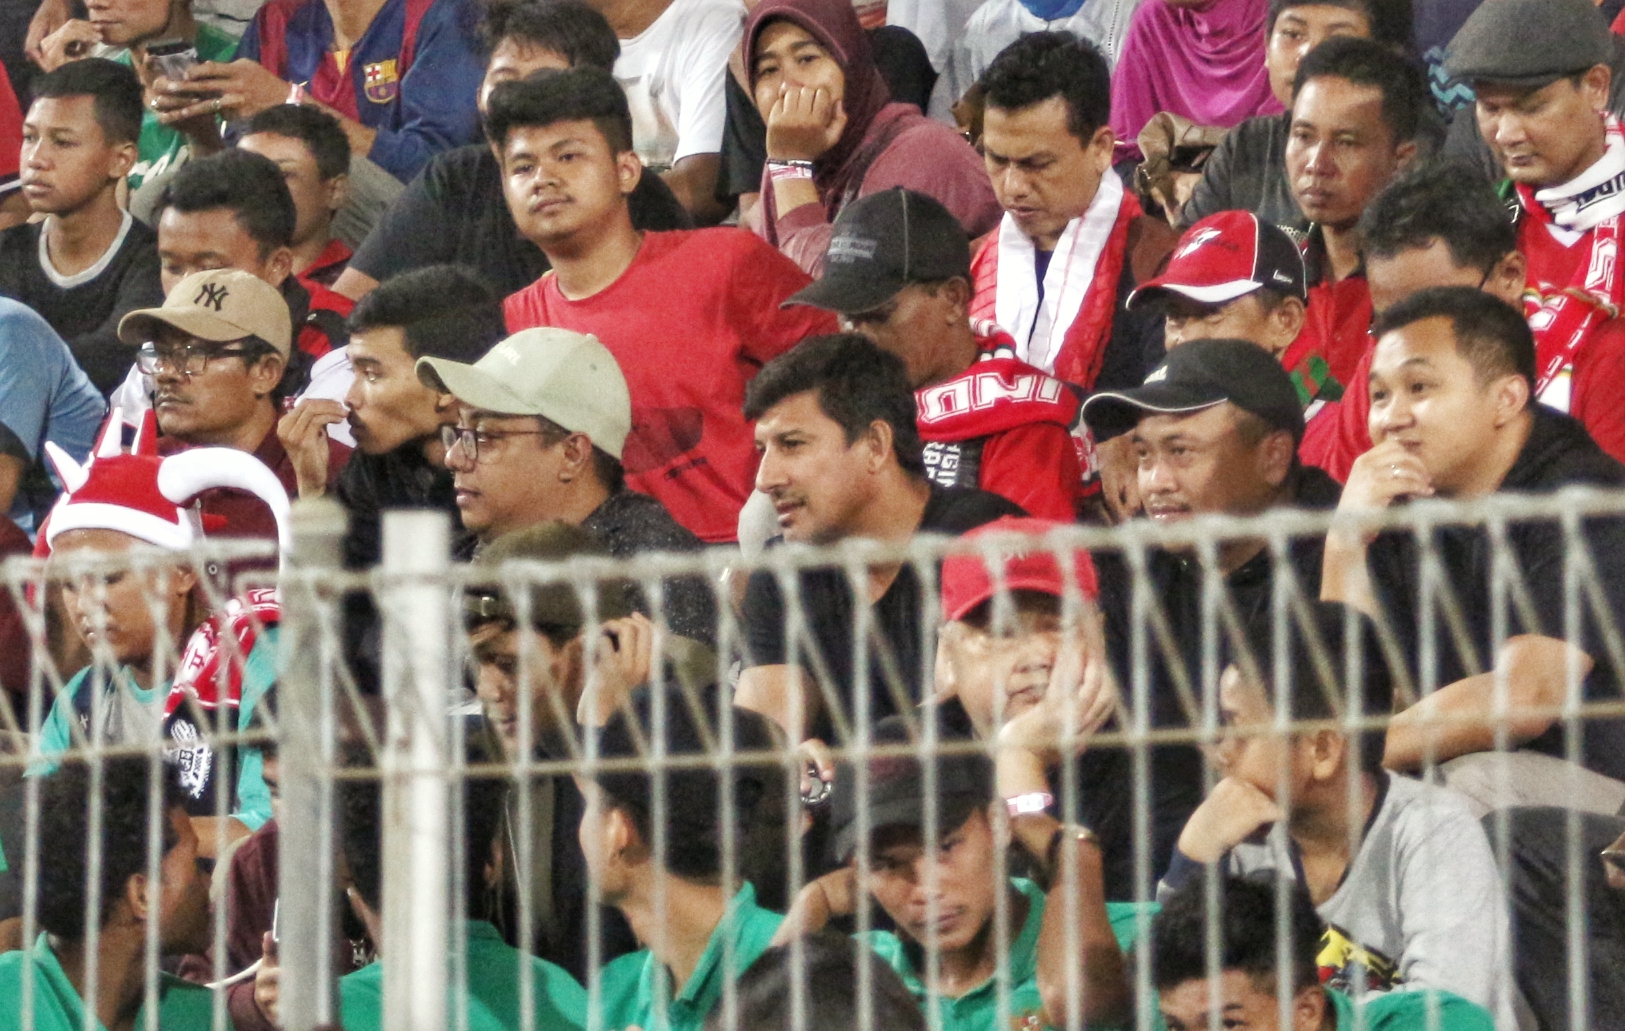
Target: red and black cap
x=1226 y=256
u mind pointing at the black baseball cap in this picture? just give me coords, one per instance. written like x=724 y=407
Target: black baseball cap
x=882 y=243
x=896 y=795
x=1199 y=375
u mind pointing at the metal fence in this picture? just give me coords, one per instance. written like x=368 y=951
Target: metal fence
x=419 y=751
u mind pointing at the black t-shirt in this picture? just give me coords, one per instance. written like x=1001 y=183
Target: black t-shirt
x=454 y=212
x=897 y=663
x=1175 y=582
x=1558 y=453
x=630 y=524
x=86 y=314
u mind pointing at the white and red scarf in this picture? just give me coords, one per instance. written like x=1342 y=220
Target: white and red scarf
x=1067 y=333
x=1593 y=203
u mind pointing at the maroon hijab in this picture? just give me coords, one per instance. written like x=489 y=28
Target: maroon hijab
x=834 y=24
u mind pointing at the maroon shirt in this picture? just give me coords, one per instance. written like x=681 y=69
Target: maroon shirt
x=244 y=514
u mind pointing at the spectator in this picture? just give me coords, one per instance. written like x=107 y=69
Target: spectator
x=163 y=146
x=542 y=423
x=360 y=72
x=898 y=272
x=674 y=56
x=1204 y=62
x=998 y=23
x=87 y=262
x=1247 y=171
x=454 y=211
x=217 y=352
x=1073 y=242
x=1452 y=417
x=1543 y=107
x=826 y=965
x=944 y=893
x=1214 y=431
x=44 y=397
x=1354 y=123
x=833 y=133
x=311 y=150
x=841 y=458
x=1410 y=903
x=1244 y=989
x=664 y=867
x=690 y=317
x=62 y=962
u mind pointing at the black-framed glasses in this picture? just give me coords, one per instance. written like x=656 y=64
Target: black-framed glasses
x=472 y=438
x=190 y=359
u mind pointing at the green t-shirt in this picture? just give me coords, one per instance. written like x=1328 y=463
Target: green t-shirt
x=1408 y=1011
x=182 y=1006
x=631 y=983
x=493 y=990
x=160 y=148
x=978 y=1009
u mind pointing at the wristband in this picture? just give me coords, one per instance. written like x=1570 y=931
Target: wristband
x=786 y=169
x=296 y=94
x=1030 y=804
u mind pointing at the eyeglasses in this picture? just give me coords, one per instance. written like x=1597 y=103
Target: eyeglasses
x=189 y=359
x=472 y=439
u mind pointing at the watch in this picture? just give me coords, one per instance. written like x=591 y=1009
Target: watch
x=1052 y=853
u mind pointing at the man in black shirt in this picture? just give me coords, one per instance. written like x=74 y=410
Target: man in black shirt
x=842 y=459
x=1215 y=430
x=1452 y=416
x=454 y=210
x=87 y=263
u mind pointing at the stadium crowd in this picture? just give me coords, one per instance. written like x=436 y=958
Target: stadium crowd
x=619 y=277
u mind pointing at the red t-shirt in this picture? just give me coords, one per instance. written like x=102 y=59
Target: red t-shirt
x=326 y=315
x=11 y=135
x=1337 y=328
x=690 y=321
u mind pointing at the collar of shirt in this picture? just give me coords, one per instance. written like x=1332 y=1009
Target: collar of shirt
x=745 y=927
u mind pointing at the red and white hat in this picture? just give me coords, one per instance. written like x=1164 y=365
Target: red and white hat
x=1226 y=256
x=967 y=580
x=148 y=497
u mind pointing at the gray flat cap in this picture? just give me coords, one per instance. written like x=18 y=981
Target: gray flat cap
x=1529 y=42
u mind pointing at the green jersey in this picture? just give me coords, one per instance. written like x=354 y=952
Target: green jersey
x=162 y=149
x=182 y=1006
x=559 y=1003
x=632 y=984
x=1408 y=1011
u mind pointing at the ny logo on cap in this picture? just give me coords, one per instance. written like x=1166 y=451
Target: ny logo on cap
x=212 y=295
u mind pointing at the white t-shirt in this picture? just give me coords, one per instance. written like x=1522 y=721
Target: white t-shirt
x=672 y=73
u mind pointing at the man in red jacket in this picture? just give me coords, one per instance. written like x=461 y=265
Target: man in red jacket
x=898 y=271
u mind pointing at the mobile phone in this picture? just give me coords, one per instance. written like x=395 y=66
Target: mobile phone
x=173 y=58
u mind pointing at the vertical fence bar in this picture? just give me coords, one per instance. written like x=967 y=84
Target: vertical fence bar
x=417 y=690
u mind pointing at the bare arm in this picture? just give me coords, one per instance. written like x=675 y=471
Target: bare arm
x=784 y=694
x=694 y=180
x=354 y=284
x=11 y=474
x=1461 y=718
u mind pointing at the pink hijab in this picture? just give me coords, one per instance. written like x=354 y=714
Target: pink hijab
x=1204 y=61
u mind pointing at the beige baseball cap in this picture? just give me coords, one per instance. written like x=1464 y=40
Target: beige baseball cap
x=566 y=378
x=220 y=305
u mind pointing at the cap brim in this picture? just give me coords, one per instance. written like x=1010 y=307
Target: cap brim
x=141 y=326
x=845 y=294
x=473 y=387
x=1539 y=80
x=1223 y=293
x=1114 y=413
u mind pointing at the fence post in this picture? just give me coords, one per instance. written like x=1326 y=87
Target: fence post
x=418 y=687
x=304 y=732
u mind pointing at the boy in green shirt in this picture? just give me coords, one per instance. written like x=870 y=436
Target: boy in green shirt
x=1245 y=987
x=701 y=929
x=129 y=902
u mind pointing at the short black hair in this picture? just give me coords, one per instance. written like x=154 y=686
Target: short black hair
x=64 y=828
x=1440 y=200
x=826 y=968
x=115 y=88
x=443 y=311
x=1316 y=692
x=1365 y=62
x=1042 y=65
x=315 y=128
x=857 y=384
x=692 y=820
x=248 y=185
x=1490 y=334
x=1392 y=22
x=1247 y=933
x=569 y=28
x=581 y=93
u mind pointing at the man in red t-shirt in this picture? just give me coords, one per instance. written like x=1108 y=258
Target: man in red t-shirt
x=897 y=270
x=689 y=316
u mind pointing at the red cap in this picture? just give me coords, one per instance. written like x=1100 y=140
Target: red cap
x=1229 y=255
x=967 y=581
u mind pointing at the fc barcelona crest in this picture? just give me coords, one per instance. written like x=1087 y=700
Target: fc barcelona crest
x=383 y=84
